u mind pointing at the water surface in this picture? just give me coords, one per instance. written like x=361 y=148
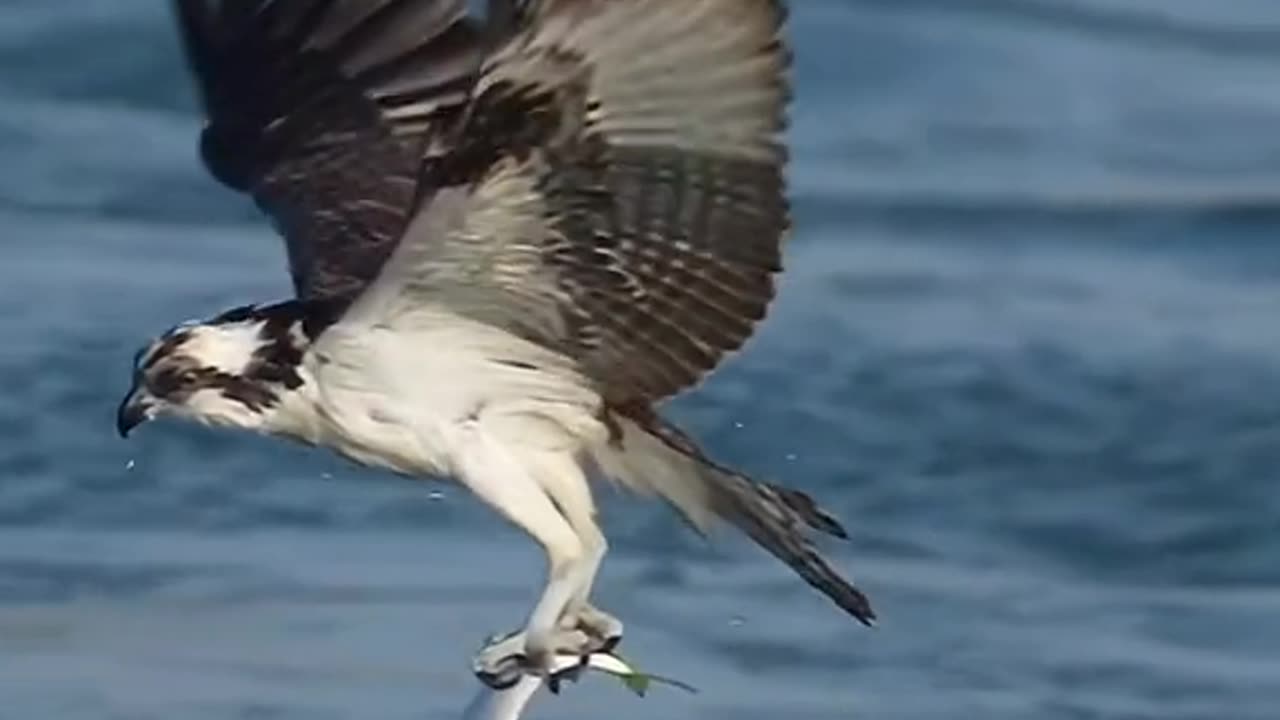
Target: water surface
x=1027 y=347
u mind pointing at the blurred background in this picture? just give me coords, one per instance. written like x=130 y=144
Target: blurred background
x=1028 y=347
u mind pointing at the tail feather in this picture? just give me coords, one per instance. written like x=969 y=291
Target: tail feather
x=651 y=456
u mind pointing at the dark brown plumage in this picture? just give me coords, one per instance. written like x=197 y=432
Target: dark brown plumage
x=329 y=141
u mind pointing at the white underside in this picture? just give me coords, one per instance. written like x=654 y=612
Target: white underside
x=436 y=395
x=441 y=396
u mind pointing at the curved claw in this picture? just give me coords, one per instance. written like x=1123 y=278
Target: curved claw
x=606 y=648
x=501 y=661
x=502 y=675
x=573 y=673
x=604 y=629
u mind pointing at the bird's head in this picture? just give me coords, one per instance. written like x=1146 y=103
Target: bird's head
x=233 y=370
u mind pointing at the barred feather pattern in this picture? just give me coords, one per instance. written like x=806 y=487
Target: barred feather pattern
x=649 y=455
x=650 y=132
x=325 y=111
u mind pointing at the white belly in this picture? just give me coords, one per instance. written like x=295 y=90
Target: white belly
x=404 y=399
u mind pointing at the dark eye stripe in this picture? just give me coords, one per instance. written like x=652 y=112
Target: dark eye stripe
x=166 y=382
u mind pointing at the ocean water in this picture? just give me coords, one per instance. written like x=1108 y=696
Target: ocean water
x=1027 y=347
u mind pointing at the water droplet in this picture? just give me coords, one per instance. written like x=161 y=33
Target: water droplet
x=436 y=495
x=326 y=476
x=737 y=621
x=129 y=465
x=791 y=457
x=738 y=424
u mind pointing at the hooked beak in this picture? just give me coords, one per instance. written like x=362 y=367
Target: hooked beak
x=136 y=409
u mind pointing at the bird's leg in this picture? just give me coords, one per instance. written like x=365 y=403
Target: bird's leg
x=496 y=478
x=502 y=662
x=545 y=634
x=570 y=490
x=581 y=630
x=604 y=629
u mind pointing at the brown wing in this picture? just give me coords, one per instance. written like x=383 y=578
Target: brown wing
x=625 y=187
x=325 y=112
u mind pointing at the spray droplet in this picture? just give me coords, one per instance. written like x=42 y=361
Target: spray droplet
x=326 y=476
x=436 y=495
x=737 y=621
x=129 y=465
x=739 y=424
x=791 y=457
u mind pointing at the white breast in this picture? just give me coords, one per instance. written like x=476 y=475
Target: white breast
x=401 y=398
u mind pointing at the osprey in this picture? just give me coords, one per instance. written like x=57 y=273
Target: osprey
x=510 y=239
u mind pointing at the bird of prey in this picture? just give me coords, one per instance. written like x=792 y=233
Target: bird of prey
x=511 y=236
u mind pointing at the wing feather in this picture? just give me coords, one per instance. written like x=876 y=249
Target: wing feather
x=621 y=187
x=325 y=111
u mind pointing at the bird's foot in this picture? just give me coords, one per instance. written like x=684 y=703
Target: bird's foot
x=504 y=660
x=604 y=629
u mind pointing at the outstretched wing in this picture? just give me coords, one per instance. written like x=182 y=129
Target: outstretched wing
x=326 y=111
x=619 y=188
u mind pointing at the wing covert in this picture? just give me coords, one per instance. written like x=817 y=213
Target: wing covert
x=623 y=198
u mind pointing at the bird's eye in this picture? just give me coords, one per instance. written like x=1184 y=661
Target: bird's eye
x=187 y=377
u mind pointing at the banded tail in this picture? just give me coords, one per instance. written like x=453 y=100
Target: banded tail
x=650 y=456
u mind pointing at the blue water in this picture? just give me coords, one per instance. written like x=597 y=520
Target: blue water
x=1028 y=347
